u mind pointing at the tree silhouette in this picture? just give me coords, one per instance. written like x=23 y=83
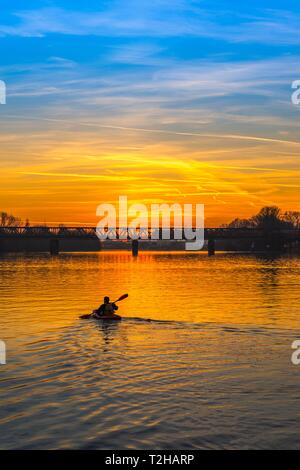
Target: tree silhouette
x=292 y=218
x=8 y=220
x=268 y=218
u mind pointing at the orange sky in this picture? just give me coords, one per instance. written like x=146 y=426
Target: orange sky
x=60 y=176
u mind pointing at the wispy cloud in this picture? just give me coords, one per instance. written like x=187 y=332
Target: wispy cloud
x=159 y=19
x=168 y=132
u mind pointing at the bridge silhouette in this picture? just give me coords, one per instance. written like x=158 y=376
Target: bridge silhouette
x=54 y=239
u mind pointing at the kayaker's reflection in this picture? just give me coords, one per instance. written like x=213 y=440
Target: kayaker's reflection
x=108 y=330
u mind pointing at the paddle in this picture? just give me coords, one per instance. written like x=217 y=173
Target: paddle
x=124 y=296
x=88 y=315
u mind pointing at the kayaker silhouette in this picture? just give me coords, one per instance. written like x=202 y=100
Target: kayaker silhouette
x=107 y=309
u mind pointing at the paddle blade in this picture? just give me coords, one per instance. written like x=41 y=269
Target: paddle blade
x=86 y=316
x=124 y=296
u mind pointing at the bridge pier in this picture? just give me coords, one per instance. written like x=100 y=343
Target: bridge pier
x=211 y=246
x=54 y=246
x=135 y=247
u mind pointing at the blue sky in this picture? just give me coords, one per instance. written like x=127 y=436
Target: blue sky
x=239 y=49
x=249 y=50
x=180 y=81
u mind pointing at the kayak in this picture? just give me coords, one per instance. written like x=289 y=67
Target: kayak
x=103 y=317
x=109 y=318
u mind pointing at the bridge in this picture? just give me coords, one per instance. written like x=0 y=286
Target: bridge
x=52 y=239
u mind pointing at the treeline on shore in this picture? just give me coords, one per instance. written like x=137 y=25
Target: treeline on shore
x=268 y=218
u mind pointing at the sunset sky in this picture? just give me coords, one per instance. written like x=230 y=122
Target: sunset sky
x=163 y=100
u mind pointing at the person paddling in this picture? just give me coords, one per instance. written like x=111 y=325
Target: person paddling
x=107 y=309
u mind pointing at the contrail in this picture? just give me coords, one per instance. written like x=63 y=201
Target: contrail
x=162 y=131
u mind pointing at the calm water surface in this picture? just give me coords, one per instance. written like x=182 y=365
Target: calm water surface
x=212 y=370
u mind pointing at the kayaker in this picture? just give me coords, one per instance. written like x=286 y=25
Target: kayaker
x=107 y=309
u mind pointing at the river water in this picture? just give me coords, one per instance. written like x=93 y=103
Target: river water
x=212 y=370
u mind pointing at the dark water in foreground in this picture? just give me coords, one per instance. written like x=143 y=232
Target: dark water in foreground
x=213 y=371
